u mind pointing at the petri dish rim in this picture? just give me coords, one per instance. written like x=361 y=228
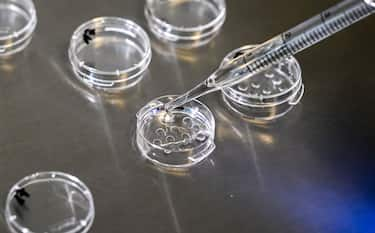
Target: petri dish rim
x=208 y=150
x=217 y=21
x=167 y=96
x=64 y=177
x=294 y=86
x=142 y=64
x=31 y=24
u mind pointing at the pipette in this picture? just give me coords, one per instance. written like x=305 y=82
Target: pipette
x=306 y=34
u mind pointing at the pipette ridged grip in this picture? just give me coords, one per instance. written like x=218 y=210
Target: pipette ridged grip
x=297 y=39
x=282 y=46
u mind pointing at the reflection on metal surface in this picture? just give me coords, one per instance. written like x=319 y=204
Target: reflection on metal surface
x=254 y=157
x=119 y=100
x=315 y=202
x=179 y=172
x=171 y=207
x=266 y=138
x=245 y=133
x=10 y=63
x=187 y=55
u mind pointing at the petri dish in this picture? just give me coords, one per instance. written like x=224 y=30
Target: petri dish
x=180 y=138
x=185 y=23
x=268 y=95
x=110 y=53
x=51 y=202
x=17 y=24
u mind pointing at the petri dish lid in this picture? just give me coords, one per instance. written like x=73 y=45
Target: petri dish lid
x=187 y=23
x=110 y=53
x=17 y=23
x=180 y=138
x=274 y=86
x=52 y=202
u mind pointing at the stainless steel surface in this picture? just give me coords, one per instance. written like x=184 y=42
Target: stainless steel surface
x=310 y=172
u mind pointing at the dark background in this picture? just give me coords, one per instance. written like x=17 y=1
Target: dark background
x=311 y=172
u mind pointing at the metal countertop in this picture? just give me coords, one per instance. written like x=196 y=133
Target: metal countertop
x=312 y=171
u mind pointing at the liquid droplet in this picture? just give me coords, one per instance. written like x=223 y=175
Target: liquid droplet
x=201 y=137
x=266 y=92
x=269 y=74
x=255 y=85
x=161 y=132
x=167 y=152
x=277 y=82
x=243 y=87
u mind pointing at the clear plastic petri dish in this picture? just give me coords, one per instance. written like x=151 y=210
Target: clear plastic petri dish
x=51 y=202
x=268 y=95
x=110 y=53
x=185 y=23
x=17 y=24
x=177 y=139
